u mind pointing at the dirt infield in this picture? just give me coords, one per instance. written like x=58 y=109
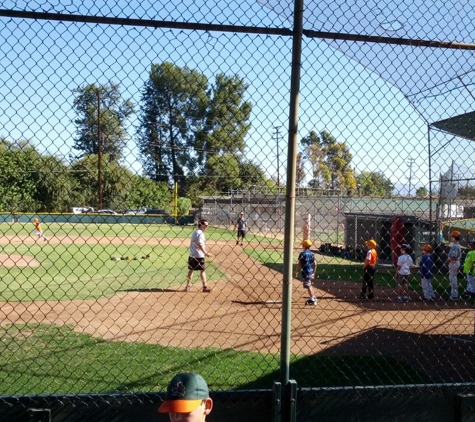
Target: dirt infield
x=15 y=260
x=244 y=309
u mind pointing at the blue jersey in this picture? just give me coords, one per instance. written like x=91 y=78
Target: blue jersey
x=426 y=264
x=307 y=263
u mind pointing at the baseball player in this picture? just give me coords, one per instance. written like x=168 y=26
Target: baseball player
x=38 y=230
x=469 y=268
x=453 y=263
x=241 y=228
x=306 y=262
x=403 y=271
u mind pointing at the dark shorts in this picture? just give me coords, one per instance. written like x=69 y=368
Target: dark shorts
x=402 y=279
x=196 y=264
x=242 y=233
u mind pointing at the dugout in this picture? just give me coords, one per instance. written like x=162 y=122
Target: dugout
x=388 y=231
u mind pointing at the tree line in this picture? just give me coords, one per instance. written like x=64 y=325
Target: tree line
x=191 y=131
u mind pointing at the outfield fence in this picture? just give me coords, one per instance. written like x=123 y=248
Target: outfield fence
x=336 y=122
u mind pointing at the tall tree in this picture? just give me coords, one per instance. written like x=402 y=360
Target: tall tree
x=53 y=184
x=173 y=106
x=227 y=119
x=421 y=192
x=251 y=175
x=222 y=173
x=374 y=184
x=101 y=111
x=330 y=160
x=467 y=192
x=187 y=127
x=17 y=187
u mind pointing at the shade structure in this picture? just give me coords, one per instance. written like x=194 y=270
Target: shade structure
x=462 y=125
x=425 y=49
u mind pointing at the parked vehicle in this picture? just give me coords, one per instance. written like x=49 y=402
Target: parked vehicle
x=82 y=210
x=107 y=212
x=154 y=211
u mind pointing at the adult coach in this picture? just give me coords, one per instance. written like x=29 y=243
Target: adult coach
x=241 y=228
x=196 y=260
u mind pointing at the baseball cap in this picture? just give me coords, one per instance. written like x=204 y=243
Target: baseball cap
x=372 y=243
x=185 y=393
x=455 y=233
x=428 y=248
x=405 y=246
x=471 y=242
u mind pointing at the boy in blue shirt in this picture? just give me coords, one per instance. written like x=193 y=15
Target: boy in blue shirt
x=426 y=266
x=306 y=262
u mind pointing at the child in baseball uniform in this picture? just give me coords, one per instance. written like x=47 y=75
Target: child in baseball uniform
x=38 y=230
x=306 y=263
x=469 y=268
x=426 y=268
x=453 y=263
x=369 y=270
x=403 y=271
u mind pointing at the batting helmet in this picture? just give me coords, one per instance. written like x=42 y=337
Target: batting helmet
x=427 y=248
x=371 y=243
x=307 y=243
x=455 y=233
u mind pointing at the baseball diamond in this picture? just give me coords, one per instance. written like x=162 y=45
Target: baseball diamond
x=244 y=313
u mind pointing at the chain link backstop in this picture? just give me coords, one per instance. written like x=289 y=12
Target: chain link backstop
x=122 y=125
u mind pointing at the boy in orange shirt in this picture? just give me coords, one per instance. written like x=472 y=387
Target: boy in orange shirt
x=369 y=269
x=38 y=230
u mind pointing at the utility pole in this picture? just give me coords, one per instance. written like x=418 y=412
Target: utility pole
x=99 y=151
x=277 y=128
x=410 y=163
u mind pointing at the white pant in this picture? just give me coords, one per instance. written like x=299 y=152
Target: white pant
x=453 y=272
x=470 y=283
x=427 y=288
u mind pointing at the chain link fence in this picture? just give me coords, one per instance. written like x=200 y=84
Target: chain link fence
x=122 y=126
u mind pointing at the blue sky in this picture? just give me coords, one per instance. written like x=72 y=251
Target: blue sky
x=42 y=63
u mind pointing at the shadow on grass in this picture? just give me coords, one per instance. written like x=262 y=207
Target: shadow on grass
x=383 y=357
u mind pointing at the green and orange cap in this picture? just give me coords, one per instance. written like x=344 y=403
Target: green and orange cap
x=185 y=393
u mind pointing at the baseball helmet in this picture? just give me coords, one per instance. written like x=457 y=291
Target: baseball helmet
x=371 y=243
x=455 y=233
x=427 y=248
x=307 y=243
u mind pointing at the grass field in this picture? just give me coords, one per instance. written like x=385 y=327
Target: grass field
x=48 y=359
x=35 y=359
x=81 y=271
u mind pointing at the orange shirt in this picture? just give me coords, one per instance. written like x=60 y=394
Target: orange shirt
x=37 y=226
x=371 y=258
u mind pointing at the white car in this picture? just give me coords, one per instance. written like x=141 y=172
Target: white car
x=82 y=210
x=107 y=212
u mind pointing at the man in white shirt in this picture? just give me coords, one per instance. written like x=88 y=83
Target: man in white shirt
x=196 y=260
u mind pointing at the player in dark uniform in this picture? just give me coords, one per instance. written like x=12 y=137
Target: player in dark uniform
x=241 y=228
x=307 y=264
